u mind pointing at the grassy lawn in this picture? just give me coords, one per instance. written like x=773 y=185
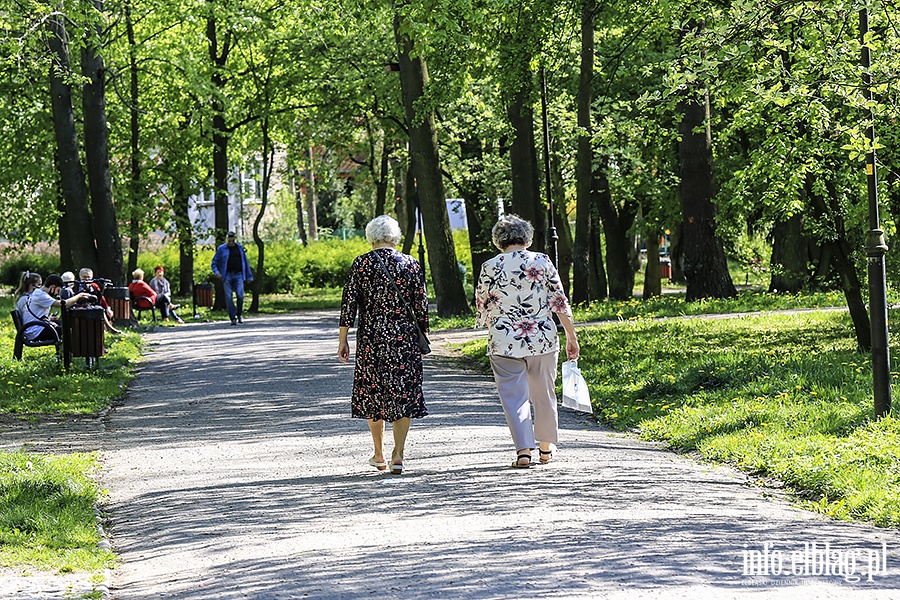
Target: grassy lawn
x=39 y=385
x=308 y=299
x=47 y=501
x=47 y=512
x=783 y=396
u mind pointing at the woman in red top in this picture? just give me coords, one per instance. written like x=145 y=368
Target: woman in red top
x=139 y=288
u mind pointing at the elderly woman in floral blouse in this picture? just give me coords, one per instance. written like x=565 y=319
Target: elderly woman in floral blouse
x=517 y=293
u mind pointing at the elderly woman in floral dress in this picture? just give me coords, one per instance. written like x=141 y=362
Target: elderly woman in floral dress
x=387 y=378
x=517 y=294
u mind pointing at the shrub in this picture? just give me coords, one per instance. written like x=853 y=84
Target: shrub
x=325 y=263
x=290 y=266
x=15 y=262
x=168 y=257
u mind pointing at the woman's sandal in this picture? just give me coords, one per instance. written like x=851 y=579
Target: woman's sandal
x=520 y=465
x=546 y=456
x=396 y=468
x=381 y=466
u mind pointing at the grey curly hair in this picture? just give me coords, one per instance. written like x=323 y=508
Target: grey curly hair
x=511 y=230
x=383 y=229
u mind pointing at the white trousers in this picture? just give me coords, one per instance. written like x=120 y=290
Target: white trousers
x=520 y=380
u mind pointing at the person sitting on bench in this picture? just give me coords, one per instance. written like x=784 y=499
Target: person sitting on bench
x=163 y=291
x=87 y=278
x=38 y=305
x=139 y=289
x=68 y=289
x=29 y=282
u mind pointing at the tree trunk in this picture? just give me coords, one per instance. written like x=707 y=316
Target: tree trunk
x=854 y=295
x=525 y=175
x=675 y=251
x=597 y=247
x=297 y=193
x=96 y=145
x=788 y=262
x=821 y=259
x=134 y=240
x=220 y=178
x=381 y=181
x=616 y=224
x=652 y=274
x=135 y=186
x=702 y=258
x=398 y=171
x=75 y=219
x=410 y=203
x=481 y=205
x=218 y=59
x=312 y=200
x=451 y=297
x=586 y=258
x=564 y=250
x=840 y=250
x=268 y=153
x=180 y=205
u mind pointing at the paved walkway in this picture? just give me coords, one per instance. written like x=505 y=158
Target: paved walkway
x=235 y=472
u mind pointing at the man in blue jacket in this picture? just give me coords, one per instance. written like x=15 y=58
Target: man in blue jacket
x=230 y=264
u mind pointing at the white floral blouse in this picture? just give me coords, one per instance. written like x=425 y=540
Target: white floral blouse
x=515 y=296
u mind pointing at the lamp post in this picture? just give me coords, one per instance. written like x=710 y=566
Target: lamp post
x=552 y=237
x=875 y=247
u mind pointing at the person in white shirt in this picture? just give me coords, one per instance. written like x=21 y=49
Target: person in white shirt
x=517 y=294
x=36 y=312
x=27 y=284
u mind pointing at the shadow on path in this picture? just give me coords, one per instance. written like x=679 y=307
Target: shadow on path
x=235 y=471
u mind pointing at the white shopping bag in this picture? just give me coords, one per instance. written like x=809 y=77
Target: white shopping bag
x=574 y=388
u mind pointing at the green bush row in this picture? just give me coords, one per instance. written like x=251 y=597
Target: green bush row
x=13 y=264
x=289 y=266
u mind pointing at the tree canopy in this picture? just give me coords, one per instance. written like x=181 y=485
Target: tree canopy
x=708 y=121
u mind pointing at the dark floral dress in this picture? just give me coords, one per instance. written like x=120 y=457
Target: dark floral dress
x=387 y=380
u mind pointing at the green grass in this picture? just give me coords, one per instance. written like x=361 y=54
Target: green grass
x=47 y=519
x=47 y=512
x=783 y=396
x=304 y=299
x=674 y=305
x=38 y=383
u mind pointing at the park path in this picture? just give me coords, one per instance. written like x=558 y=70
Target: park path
x=234 y=471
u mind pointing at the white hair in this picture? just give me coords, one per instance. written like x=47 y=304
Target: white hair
x=383 y=229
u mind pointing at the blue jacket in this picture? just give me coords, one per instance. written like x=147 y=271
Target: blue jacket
x=220 y=262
